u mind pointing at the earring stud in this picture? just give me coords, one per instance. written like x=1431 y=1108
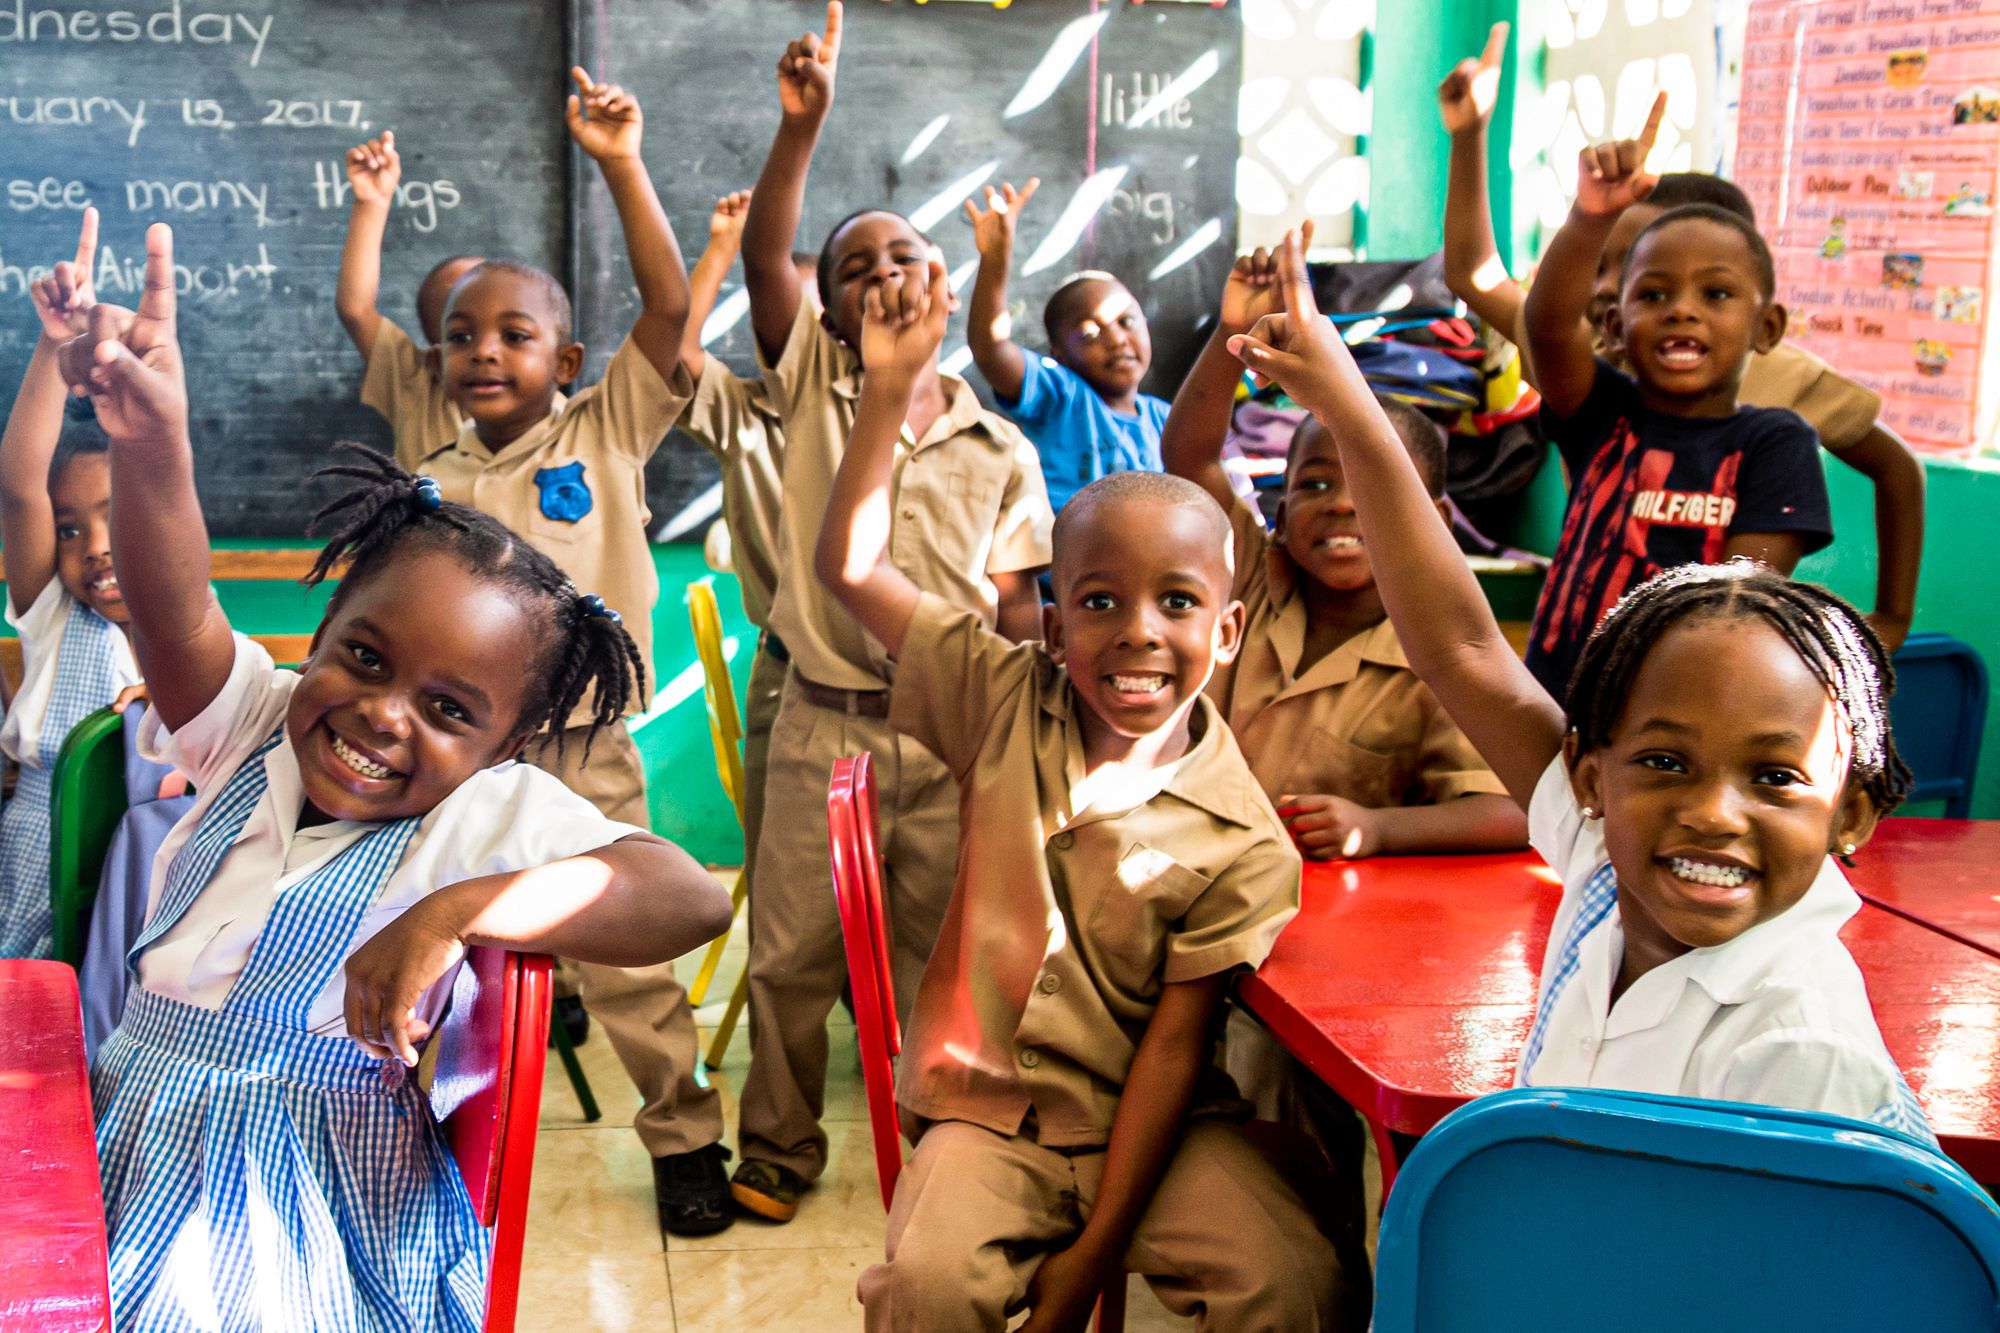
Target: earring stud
x=1847 y=849
x=1589 y=812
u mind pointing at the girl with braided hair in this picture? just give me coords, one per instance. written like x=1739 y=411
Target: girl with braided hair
x=360 y=822
x=1726 y=737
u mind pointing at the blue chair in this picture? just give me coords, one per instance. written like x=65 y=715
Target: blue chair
x=1939 y=715
x=1573 y=1209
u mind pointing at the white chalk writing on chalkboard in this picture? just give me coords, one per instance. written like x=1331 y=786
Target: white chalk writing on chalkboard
x=170 y=24
x=120 y=279
x=424 y=199
x=79 y=111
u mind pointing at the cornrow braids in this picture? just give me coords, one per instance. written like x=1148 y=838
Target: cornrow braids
x=1828 y=634
x=391 y=514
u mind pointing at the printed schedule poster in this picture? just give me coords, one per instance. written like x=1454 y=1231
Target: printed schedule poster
x=1869 y=140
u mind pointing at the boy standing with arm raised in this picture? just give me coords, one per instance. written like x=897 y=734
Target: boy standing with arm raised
x=970 y=523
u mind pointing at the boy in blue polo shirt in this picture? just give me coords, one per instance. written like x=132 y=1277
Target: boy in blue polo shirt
x=1081 y=404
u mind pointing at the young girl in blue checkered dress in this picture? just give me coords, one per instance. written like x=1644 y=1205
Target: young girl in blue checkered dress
x=62 y=594
x=267 y=1161
x=1724 y=739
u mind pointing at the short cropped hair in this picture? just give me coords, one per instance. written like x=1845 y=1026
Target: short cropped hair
x=1678 y=189
x=1147 y=487
x=1057 y=313
x=1422 y=437
x=1760 y=252
x=552 y=291
x=823 y=266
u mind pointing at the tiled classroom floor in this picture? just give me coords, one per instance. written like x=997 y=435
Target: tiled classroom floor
x=596 y=1258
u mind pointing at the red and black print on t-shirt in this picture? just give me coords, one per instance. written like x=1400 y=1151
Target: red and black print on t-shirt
x=1650 y=491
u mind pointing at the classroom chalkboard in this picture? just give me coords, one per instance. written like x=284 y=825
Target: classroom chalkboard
x=1127 y=113
x=229 y=119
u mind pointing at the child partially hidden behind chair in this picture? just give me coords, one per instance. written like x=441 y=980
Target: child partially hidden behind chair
x=1726 y=736
x=1117 y=865
x=62 y=593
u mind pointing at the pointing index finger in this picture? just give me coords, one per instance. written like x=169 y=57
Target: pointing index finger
x=1293 y=278
x=1652 y=130
x=1496 y=46
x=86 y=244
x=157 y=302
x=829 y=50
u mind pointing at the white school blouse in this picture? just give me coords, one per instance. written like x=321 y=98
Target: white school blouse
x=1778 y=1016
x=504 y=818
x=41 y=630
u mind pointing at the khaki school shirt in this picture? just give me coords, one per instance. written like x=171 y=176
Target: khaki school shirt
x=733 y=419
x=967 y=502
x=1787 y=376
x=608 y=431
x=1357 y=724
x=401 y=387
x=1069 y=915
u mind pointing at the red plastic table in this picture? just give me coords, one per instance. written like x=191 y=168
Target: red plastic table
x=1407 y=984
x=1943 y=873
x=52 y=1253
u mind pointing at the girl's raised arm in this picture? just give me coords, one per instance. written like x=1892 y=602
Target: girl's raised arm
x=1442 y=618
x=130 y=363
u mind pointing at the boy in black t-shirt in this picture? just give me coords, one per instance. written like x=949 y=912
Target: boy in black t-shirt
x=1665 y=468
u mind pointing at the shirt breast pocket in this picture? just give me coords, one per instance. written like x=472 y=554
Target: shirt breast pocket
x=1147 y=892
x=1332 y=765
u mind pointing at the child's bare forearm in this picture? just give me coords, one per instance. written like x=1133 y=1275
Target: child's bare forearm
x=1152 y=1114
x=852 y=556
x=1898 y=478
x=357 y=294
x=704 y=285
x=27 y=524
x=1557 y=311
x=159 y=542
x=770 y=229
x=637 y=902
x=1472 y=267
x=999 y=358
x=1191 y=440
x=1479 y=822
x=657 y=269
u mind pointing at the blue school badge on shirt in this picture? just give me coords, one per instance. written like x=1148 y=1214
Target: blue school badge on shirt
x=565 y=496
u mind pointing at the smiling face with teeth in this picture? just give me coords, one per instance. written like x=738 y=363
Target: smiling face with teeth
x=1143 y=612
x=1692 y=308
x=80 y=498
x=1725 y=782
x=416 y=682
x=1317 y=525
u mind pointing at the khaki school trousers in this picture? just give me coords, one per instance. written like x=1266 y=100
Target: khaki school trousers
x=1225 y=1241
x=643 y=1010
x=796 y=962
x=760 y=714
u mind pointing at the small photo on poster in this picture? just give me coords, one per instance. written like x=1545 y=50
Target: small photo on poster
x=1966 y=202
x=1913 y=184
x=1905 y=271
x=1976 y=106
x=1906 y=68
x=1932 y=357
x=1960 y=305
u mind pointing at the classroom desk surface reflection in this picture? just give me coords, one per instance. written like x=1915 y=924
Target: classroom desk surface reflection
x=52 y=1250
x=1408 y=985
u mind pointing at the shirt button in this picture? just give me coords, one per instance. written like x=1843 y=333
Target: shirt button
x=1031 y=1059
x=1064 y=841
x=1050 y=983
x=910 y=514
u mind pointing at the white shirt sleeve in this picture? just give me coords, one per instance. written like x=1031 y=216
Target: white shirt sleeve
x=41 y=629
x=241 y=717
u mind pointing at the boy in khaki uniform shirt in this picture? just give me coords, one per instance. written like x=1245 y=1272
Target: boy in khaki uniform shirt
x=1843 y=412
x=969 y=522
x=569 y=478
x=735 y=420
x=1117 y=865
x=401 y=381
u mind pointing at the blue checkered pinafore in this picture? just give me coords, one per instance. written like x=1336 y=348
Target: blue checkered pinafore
x=86 y=679
x=262 y=1176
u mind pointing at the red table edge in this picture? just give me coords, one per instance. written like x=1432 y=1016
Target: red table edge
x=1928 y=924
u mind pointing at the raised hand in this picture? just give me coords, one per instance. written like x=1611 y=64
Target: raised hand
x=1297 y=348
x=1611 y=177
x=993 y=226
x=64 y=298
x=375 y=169
x=603 y=118
x=807 y=69
x=1252 y=290
x=1467 y=95
x=130 y=363
x=903 y=323
x=725 y=224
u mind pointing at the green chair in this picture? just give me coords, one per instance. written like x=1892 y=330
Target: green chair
x=88 y=801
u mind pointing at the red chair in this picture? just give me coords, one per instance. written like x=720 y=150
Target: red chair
x=857 y=885
x=486 y=1094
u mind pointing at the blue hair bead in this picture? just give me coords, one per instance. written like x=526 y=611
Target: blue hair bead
x=427 y=497
x=593 y=606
